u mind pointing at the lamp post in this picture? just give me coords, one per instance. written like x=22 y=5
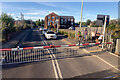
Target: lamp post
x=57 y=25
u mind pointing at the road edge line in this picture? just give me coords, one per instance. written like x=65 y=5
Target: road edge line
x=114 y=54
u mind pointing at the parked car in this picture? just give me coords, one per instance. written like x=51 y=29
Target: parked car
x=71 y=28
x=50 y=35
x=43 y=31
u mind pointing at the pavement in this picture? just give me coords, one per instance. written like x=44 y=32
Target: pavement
x=96 y=66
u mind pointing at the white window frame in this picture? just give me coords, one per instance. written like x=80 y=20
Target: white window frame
x=53 y=17
x=48 y=17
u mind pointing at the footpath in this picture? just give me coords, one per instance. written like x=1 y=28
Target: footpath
x=104 y=55
x=16 y=40
x=95 y=48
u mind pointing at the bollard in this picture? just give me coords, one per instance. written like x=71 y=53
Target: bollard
x=117 y=50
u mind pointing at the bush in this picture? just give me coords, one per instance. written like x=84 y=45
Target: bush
x=116 y=35
x=54 y=29
x=69 y=34
x=72 y=35
x=65 y=33
x=61 y=32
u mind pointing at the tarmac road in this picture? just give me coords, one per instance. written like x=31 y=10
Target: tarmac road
x=76 y=67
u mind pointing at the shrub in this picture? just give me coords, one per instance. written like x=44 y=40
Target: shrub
x=54 y=29
x=116 y=35
x=69 y=34
x=72 y=35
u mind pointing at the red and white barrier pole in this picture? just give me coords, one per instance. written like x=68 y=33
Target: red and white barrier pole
x=52 y=46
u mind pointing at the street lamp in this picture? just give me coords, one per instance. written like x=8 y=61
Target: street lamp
x=57 y=24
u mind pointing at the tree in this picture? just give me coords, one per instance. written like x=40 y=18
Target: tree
x=38 y=23
x=94 y=24
x=34 y=24
x=84 y=24
x=88 y=22
x=7 y=23
x=28 y=24
x=42 y=22
x=27 y=21
x=113 y=25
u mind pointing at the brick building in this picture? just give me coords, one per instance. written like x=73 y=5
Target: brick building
x=64 y=22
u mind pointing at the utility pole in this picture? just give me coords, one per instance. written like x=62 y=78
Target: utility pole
x=80 y=21
x=81 y=14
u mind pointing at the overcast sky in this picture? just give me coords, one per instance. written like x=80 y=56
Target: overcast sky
x=38 y=10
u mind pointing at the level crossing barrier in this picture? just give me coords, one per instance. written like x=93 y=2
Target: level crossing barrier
x=30 y=54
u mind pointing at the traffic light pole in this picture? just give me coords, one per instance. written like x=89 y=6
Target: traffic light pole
x=104 y=31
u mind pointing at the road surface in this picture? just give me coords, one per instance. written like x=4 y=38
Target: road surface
x=95 y=67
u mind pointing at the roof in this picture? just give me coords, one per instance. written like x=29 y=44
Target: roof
x=70 y=17
x=52 y=14
x=66 y=17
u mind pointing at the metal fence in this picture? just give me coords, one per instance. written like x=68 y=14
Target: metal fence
x=36 y=54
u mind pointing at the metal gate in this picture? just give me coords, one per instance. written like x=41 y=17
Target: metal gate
x=31 y=54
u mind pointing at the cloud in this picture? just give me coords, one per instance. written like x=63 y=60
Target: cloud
x=59 y=0
x=33 y=18
x=35 y=13
x=12 y=14
x=48 y=4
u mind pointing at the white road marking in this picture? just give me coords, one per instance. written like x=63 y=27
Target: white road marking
x=103 y=60
x=58 y=75
x=114 y=54
x=55 y=67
